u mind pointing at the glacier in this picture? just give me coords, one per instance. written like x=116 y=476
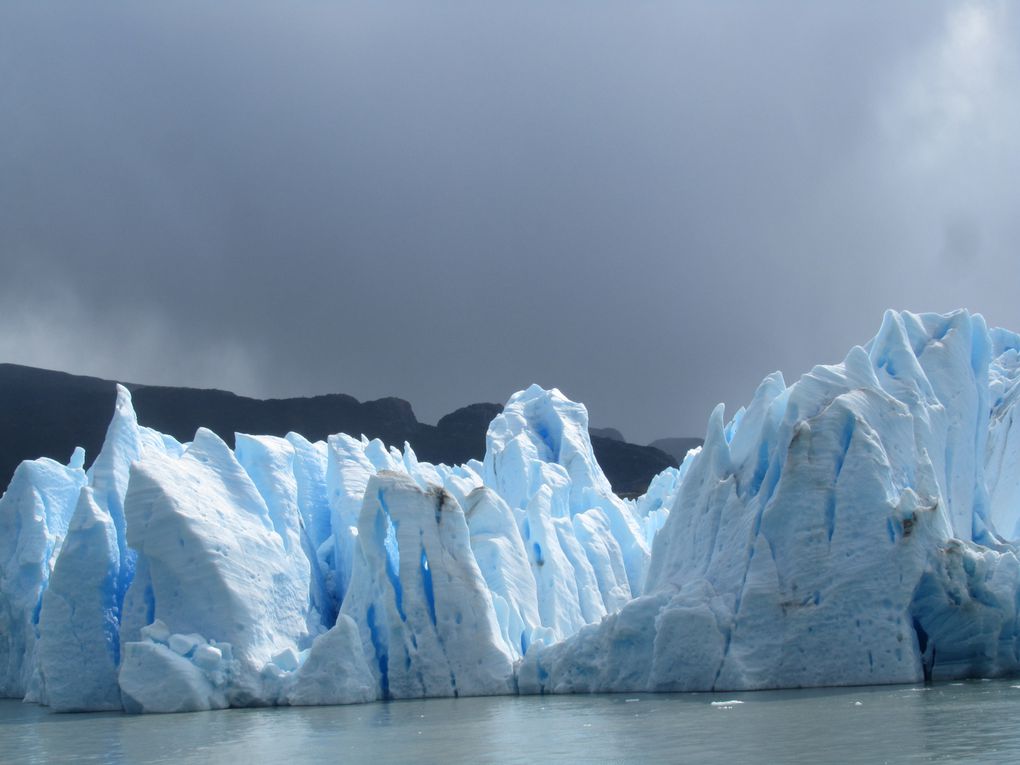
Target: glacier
x=856 y=527
x=853 y=528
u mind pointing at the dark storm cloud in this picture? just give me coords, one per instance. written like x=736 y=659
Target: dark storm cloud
x=649 y=205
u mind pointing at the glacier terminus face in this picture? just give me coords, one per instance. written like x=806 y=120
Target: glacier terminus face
x=856 y=527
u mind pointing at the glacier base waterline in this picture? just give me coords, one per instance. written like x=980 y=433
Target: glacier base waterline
x=854 y=528
x=956 y=722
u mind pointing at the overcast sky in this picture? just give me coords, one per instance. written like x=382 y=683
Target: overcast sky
x=648 y=205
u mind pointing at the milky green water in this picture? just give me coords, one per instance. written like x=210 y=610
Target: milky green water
x=969 y=722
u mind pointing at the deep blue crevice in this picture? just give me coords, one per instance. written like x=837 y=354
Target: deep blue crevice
x=389 y=537
x=111 y=613
x=111 y=631
x=398 y=591
x=949 y=471
x=319 y=596
x=543 y=433
x=761 y=467
x=926 y=648
x=770 y=482
x=740 y=592
x=830 y=513
x=886 y=363
x=846 y=436
x=128 y=556
x=426 y=578
x=381 y=656
x=716 y=521
x=941 y=328
x=979 y=351
x=727 y=640
x=126 y=575
x=149 y=597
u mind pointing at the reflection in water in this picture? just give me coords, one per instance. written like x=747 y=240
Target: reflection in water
x=974 y=720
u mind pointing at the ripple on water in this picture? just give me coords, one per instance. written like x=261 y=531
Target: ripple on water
x=954 y=721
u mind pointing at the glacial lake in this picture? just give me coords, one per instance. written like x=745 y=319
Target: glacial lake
x=976 y=721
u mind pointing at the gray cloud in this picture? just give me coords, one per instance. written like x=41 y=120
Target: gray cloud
x=648 y=205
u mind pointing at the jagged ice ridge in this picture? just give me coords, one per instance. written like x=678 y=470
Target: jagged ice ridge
x=856 y=527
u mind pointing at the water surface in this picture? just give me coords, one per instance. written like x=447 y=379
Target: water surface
x=973 y=721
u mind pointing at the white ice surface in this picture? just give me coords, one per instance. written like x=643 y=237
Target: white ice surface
x=856 y=527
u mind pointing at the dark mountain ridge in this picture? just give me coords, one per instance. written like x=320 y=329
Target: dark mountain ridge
x=45 y=413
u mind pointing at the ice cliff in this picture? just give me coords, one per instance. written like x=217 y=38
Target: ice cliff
x=178 y=577
x=855 y=527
